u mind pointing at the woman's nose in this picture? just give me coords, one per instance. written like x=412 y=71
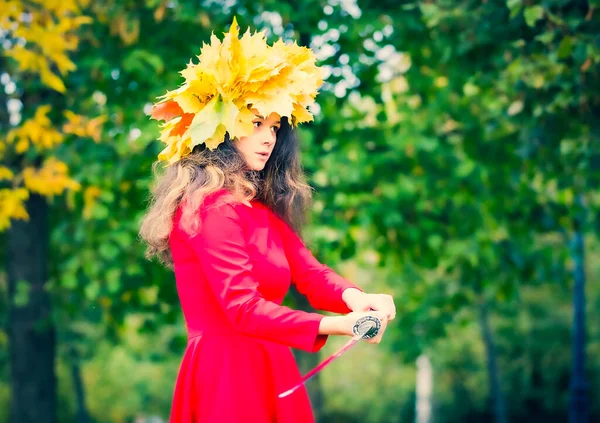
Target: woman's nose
x=269 y=137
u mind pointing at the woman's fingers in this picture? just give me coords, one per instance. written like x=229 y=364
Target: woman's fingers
x=385 y=304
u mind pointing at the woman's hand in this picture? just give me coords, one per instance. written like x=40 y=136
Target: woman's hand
x=354 y=316
x=360 y=301
x=343 y=325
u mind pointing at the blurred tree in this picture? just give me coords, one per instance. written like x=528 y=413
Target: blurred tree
x=452 y=141
x=476 y=140
x=37 y=40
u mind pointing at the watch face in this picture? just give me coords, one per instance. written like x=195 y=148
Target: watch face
x=367 y=327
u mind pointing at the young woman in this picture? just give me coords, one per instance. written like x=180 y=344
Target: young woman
x=226 y=216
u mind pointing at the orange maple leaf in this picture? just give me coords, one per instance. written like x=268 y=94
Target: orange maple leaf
x=166 y=111
x=182 y=125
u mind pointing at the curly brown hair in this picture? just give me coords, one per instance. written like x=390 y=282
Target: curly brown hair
x=281 y=185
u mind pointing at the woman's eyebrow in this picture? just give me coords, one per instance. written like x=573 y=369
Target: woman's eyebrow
x=262 y=118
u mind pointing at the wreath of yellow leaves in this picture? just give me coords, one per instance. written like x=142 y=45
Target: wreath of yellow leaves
x=232 y=78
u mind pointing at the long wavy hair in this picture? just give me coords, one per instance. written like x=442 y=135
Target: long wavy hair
x=281 y=185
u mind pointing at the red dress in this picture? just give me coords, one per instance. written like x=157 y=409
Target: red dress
x=231 y=279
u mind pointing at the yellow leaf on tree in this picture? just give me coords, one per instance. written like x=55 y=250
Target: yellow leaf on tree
x=12 y=206
x=82 y=126
x=51 y=179
x=49 y=34
x=22 y=146
x=94 y=127
x=63 y=63
x=52 y=80
x=37 y=131
x=6 y=173
x=90 y=197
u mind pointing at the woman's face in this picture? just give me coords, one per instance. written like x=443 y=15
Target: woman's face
x=257 y=148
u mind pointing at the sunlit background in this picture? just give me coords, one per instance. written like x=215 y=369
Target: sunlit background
x=455 y=158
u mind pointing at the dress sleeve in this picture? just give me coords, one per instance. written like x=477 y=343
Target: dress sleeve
x=224 y=260
x=320 y=284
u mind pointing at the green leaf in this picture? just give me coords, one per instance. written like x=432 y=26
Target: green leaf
x=100 y=211
x=143 y=62
x=69 y=280
x=21 y=297
x=533 y=14
x=545 y=37
x=113 y=280
x=92 y=290
x=107 y=196
x=108 y=251
x=566 y=196
x=515 y=7
x=123 y=239
x=565 y=47
x=465 y=169
x=133 y=269
x=431 y=14
x=554 y=18
x=435 y=241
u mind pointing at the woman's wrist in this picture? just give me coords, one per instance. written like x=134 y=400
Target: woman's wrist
x=350 y=296
x=335 y=325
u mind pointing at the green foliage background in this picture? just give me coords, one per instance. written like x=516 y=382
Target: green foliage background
x=455 y=145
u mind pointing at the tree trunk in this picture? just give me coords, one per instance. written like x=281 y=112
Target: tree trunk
x=497 y=397
x=307 y=361
x=424 y=390
x=82 y=413
x=578 y=407
x=31 y=328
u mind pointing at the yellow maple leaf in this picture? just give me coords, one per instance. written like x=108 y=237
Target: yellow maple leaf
x=177 y=147
x=217 y=137
x=12 y=206
x=49 y=34
x=189 y=102
x=205 y=123
x=244 y=125
x=301 y=114
x=6 y=173
x=170 y=150
x=49 y=180
x=232 y=77
x=94 y=127
x=37 y=131
x=52 y=80
x=74 y=124
x=82 y=126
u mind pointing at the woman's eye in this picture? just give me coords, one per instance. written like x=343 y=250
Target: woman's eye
x=275 y=128
x=257 y=124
